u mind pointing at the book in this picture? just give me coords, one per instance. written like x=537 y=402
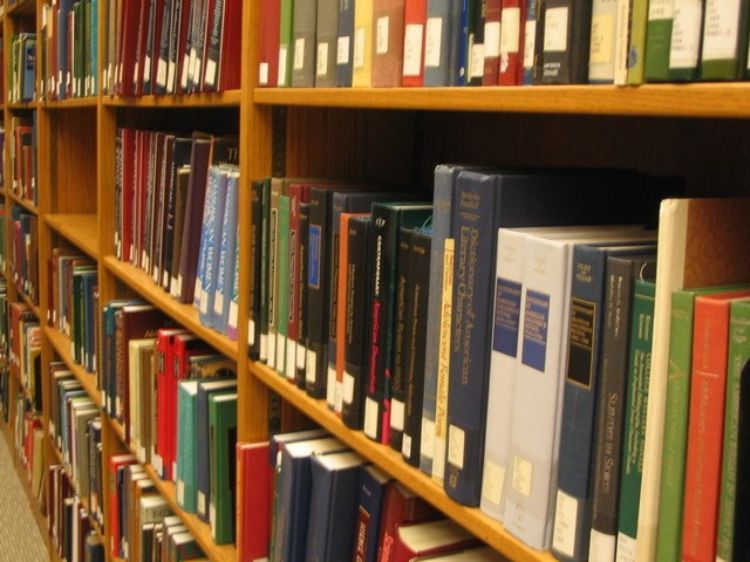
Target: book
x=335 y=480
x=415 y=14
x=362 y=48
x=605 y=17
x=580 y=393
x=268 y=68
x=431 y=537
x=723 y=52
x=741 y=512
x=636 y=53
x=438 y=44
x=303 y=34
x=492 y=42
x=222 y=425
x=326 y=43
x=639 y=361
x=400 y=506
x=669 y=539
x=658 y=40
x=564 y=53
x=514 y=42
x=372 y=485
x=345 y=43
x=254 y=496
x=387 y=43
x=187 y=460
x=728 y=545
x=684 y=49
x=685 y=259
x=621 y=272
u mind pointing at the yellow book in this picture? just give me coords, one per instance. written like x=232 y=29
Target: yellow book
x=362 y=76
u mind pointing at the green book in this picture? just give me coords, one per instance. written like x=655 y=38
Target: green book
x=186 y=477
x=286 y=20
x=282 y=264
x=684 y=49
x=637 y=46
x=639 y=364
x=77 y=36
x=222 y=420
x=724 y=46
x=658 y=40
x=739 y=353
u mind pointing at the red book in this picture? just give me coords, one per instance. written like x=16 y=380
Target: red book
x=128 y=175
x=208 y=26
x=492 y=28
x=155 y=46
x=388 y=42
x=512 y=42
x=115 y=462
x=164 y=367
x=415 y=17
x=231 y=42
x=130 y=22
x=430 y=538
x=706 y=425
x=140 y=54
x=268 y=55
x=399 y=506
x=254 y=500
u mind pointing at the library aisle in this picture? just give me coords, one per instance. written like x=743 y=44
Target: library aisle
x=20 y=539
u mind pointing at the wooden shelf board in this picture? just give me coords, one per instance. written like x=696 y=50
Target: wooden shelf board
x=391 y=461
x=184 y=314
x=22 y=7
x=61 y=343
x=71 y=103
x=731 y=100
x=27 y=300
x=22 y=105
x=21 y=202
x=229 y=98
x=81 y=230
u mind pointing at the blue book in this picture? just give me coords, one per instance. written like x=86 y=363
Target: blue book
x=187 y=459
x=333 y=514
x=461 y=42
x=575 y=468
x=225 y=277
x=372 y=485
x=208 y=256
x=484 y=203
x=531 y=23
x=203 y=475
x=295 y=482
x=345 y=47
x=438 y=45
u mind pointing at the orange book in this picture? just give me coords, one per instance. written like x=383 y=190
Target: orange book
x=706 y=426
x=388 y=43
x=341 y=306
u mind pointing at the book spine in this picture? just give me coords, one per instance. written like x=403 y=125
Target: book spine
x=639 y=363
x=357 y=302
x=684 y=50
x=326 y=43
x=658 y=40
x=417 y=335
x=304 y=237
x=705 y=428
x=256 y=249
x=415 y=14
x=492 y=43
x=362 y=50
x=388 y=43
x=266 y=288
x=573 y=514
x=286 y=43
x=675 y=425
x=303 y=59
x=273 y=277
x=316 y=366
x=604 y=40
x=282 y=263
x=636 y=52
x=723 y=52
x=225 y=278
x=345 y=44
x=437 y=46
x=506 y=331
x=268 y=68
x=739 y=352
x=211 y=74
x=476 y=42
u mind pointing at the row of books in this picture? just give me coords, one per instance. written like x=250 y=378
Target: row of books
x=73 y=305
x=382 y=43
x=24 y=345
x=23 y=156
x=24 y=245
x=172 y=47
x=72 y=533
x=143 y=526
x=29 y=443
x=22 y=68
x=304 y=496
x=166 y=185
x=68 y=50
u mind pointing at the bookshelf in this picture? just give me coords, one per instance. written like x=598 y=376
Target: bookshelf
x=395 y=135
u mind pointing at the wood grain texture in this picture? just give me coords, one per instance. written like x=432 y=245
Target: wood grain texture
x=81 y=230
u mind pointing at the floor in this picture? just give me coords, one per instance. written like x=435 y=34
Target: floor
x=20 y=538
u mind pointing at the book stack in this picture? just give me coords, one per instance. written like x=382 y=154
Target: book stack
x=142 y=524
x=25 y=348
x=70 y=527
x=166 y=185
x=21 y=74
x=171 y=47
x=68 y=50
x=23 y=156
x=72 y=303
x=24 y=245
x=412 y=43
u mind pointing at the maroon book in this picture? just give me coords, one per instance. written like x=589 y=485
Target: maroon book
x=268 y=56
x=388 y=43
x=399 y=506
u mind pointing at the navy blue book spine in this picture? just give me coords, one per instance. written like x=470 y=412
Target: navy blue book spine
x=371 y=492
x=345 y=46
x=297 y=471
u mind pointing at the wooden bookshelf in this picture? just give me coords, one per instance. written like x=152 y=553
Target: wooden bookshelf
x=81 y=230
x=184 y=314
x=21 y=7
x=61 y=344
x=72 y=103
x=726 y=100
x=34 y=307
x=21 y=202
x=230 y=98
x=21 y=105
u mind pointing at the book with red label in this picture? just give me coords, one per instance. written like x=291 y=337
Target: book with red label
x=512 y=41
x=268 y=47
x=231 y=40
x=706 y=425
x=415 y=18
x=253 y=503
x=388 y=43
x=400 y=506
x=432 y=537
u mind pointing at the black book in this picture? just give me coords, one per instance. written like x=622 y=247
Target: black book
x=213 y=49
x=159 y=81
x=565 y=30
x=741 y=546
x=180 y=156
x=416 y=328
x=475 y=64
x=260 y=189
x=357 y=321
x=304 y=241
